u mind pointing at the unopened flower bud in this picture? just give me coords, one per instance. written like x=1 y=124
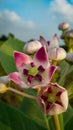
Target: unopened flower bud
x=69 y=33
x=32 y=47
x=56 y=53
x=63 y=26
x=69 y=57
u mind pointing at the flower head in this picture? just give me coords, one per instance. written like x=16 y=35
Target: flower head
x=53 y=99
x=32 y=72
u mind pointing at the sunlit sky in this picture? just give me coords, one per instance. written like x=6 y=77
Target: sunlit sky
x=28 y=19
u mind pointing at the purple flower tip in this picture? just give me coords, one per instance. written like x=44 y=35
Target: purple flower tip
x=41 y=69
x=49 y=90
x=32 y=64
x=44 y=97
x=25 y=72
x=30 y=79
x=58 y=94
x=48 y=105
x=48 y=42
x=39 y=77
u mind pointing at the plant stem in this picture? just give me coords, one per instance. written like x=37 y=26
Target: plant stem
x=21 y=93
x=61 y=121
x=56 y=122
x=47 y=123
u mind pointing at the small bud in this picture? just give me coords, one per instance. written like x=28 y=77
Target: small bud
x=3 y=88
x=56 y=53
x=69 y=33
x=69 y=57
x=63 y=26
x=32 y=47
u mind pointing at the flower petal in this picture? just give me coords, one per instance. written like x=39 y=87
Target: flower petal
x=64 y=99
x=41 y=58
x=48 y=74
x=21 y=59
x=55 y=109
x=54 y=42
x=43 y=41
x=16 y=79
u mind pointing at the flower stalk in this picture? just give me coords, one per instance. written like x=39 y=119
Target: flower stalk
x=21 y=93
x=56 y=121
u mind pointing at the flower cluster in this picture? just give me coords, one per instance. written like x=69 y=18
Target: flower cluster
x=38 y=71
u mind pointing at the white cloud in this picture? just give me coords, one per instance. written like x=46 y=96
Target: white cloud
x=62 y=9
x=11 y=22
x=10 y=16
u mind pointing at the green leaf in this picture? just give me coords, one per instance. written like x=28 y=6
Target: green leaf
x=69 y=126
x=1 y=42
x=68 y=119
x=13 y=119
x=64 y=68
x=2 y=72
x=6 y=54
x=33 y=111
x=69 y=80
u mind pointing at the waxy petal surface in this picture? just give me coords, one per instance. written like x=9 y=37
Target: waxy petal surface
x=54 y=42
x=41 y=58
x=32 y=47
x=43 y=41
x=21 y=59
x=16 y=79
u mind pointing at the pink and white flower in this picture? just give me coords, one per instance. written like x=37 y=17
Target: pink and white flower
x=53 y=99
x=33 y=73
x=54 y=51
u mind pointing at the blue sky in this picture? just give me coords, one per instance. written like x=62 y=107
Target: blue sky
x=28 y=19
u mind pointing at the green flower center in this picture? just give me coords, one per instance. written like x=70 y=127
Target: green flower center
x=33 y=71
x=51 y=98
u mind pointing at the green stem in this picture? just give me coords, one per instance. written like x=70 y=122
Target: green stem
x=21 y=93
x=56 y=122
x=47 y=123
x=61 y=121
